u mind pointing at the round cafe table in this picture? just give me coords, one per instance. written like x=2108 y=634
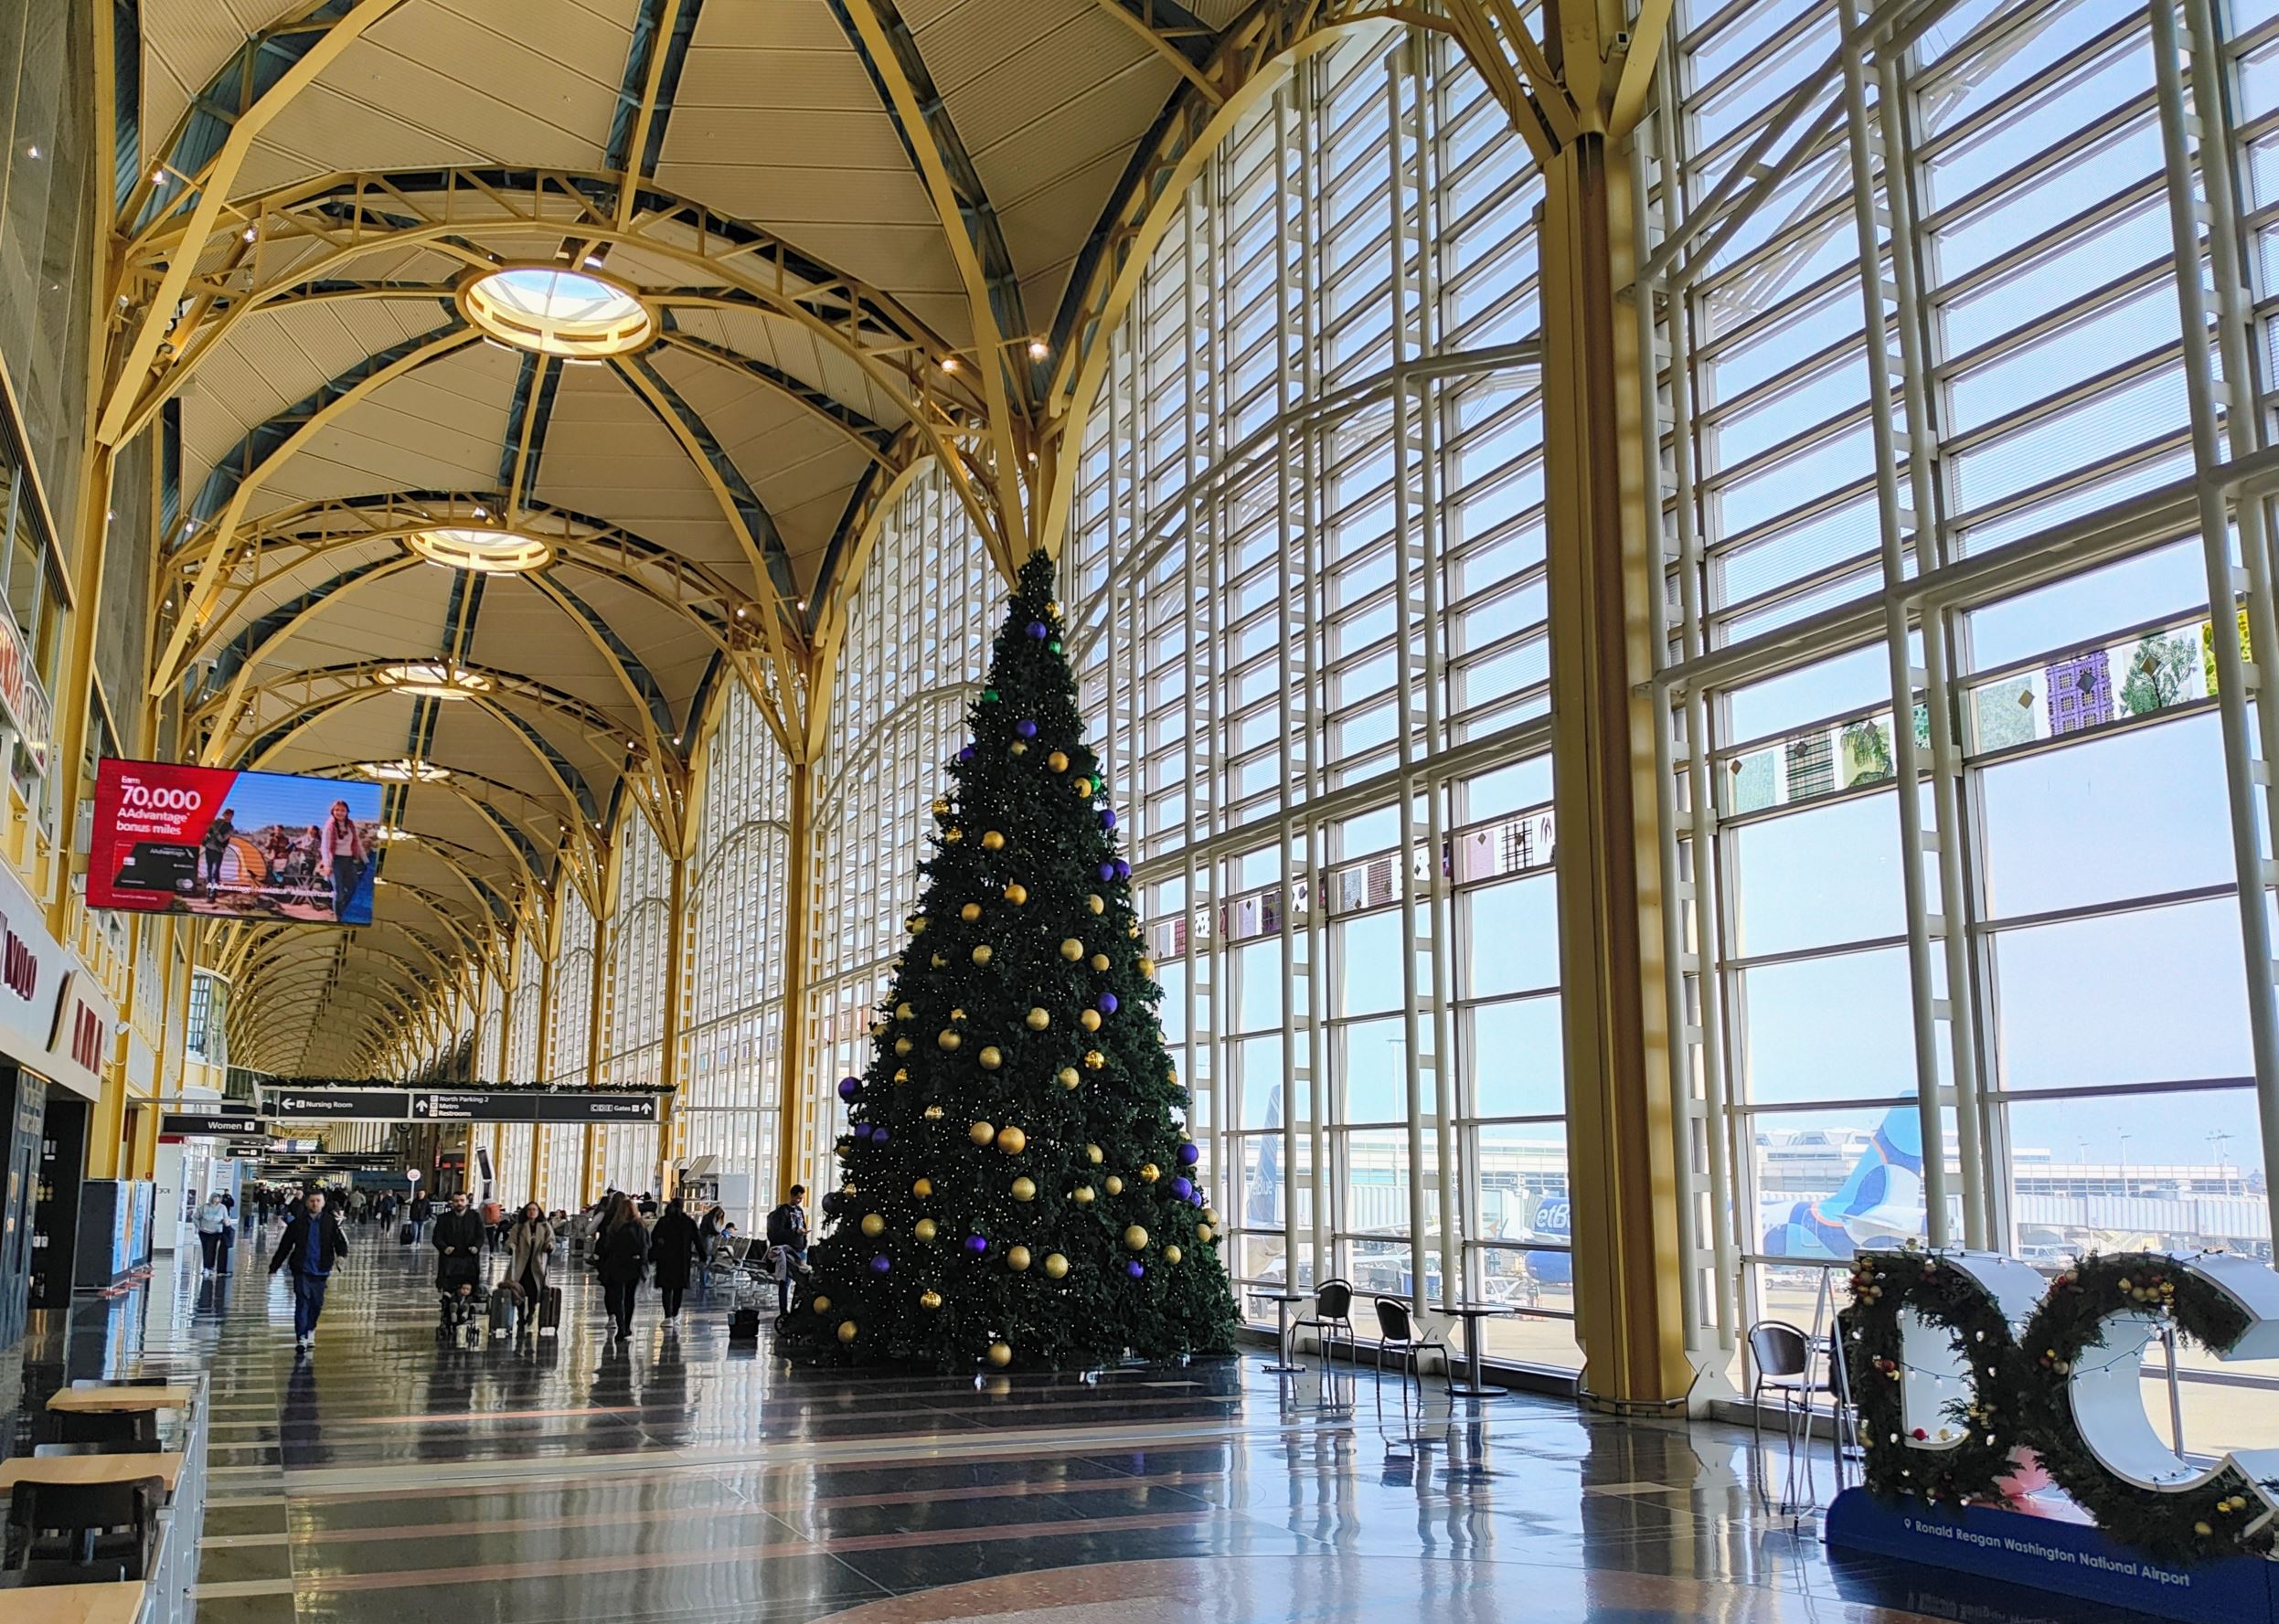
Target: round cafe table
x=1282 y=1301
x=1471 y=1314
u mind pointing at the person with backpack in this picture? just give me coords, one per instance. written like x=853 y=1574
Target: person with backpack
x=314 y=1245
x=787 y=1231
x=674 y=1245
x=621 y=1257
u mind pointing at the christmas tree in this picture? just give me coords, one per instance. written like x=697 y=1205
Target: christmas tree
x=1017 y=1188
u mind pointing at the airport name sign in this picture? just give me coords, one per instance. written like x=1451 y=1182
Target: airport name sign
x=1962 y=1362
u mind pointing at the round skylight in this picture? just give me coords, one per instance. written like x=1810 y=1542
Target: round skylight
x=480 y=548
x=435 y=679
x=557 y=312
x=403 y=771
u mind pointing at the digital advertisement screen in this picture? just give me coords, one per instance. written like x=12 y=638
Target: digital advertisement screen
x=176 y=839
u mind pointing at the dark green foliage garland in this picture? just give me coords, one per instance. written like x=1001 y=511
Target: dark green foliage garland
x=2223 y=1517
x=1016 y=1184
x=1882 y=1284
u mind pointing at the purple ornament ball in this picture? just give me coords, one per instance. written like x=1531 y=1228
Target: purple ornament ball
x=1107 y=817
x=966 y=753
x=1107 y=871
x=1182 y=1188
x=1189 y=1155
x=976 y=1244
x=849 y=1087
x=1135 y=1269
x=1036 y=630
x=1124 y=869
x=1107 y=1003
x=1024 y=727
x=881 y=1264
x=862 y=1130
x=878 y=1136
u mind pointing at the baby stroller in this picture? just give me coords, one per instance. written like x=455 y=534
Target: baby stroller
x=459 y=1285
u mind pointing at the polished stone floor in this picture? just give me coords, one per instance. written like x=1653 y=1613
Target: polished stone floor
x=384 y=1478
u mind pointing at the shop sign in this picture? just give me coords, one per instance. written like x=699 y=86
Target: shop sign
x=23 y=701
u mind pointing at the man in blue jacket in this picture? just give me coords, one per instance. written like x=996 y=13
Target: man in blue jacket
x=312 y=1244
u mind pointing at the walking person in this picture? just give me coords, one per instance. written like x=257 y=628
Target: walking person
x=621 y=1257
x=708 y=1243
x=341 y=857
x=213 y=1233
x=422 y=1209
x=314 y=1245
x=529 y=1255
x=494 y=1224
x=787 y=1229
x=458 y=1250
x=674 y=1245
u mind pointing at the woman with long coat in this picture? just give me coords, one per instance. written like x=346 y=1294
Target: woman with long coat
x=530 y=1251
x=621 y=1257
x=673 y=1246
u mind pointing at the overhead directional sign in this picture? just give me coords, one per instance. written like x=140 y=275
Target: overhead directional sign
x=335 y=1105
x=594 y=1107
x=455 y=1105
x=202 y=1121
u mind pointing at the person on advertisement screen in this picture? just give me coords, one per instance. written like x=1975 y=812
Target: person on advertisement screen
x=342 y=857
x=217 y=847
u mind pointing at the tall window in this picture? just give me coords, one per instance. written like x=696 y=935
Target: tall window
x=743 y=907
x=917 y=640
x=570 y=1048
x=1306 y=572
x=641 y=938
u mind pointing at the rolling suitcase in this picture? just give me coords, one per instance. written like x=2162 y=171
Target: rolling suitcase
x=743 y=1325
x=502 y=1313
x=403 y=1235
x=551 y=1311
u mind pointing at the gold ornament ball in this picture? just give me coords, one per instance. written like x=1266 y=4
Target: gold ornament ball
x=1057 y=761
x=1056 y=1265
x=940 y=807
x=1069 y=1079
x=956 y=1016
x=952 y=835
x=922 y=1188
x=1084 y=786
x=1000 y=1355
x=981 y=1133
x=1100 y=960
x=1039 y=1019
x=1092 y=1154
x=1115 y=1183
x=1016 y=1259
x=993 y=842
x=1135 y=1238
x=1024 y=1190
x=1089 y=1020
x=1081 y=1195
x=918 y=925
x=821 y=1305
x=877 y=1029
x=970 y=912
x=1149 y=1173
x=1095 y=1059
x=939 y=962
x=901 y=1074
x=902 y=1046
x=1071 y=949
x=1210 y=1214
x=983 y=954
x=1132 y=930
x=1172 y=1254
x=930 y=1299
x=1019 y=748
x=924 y=1229
x=933 y=1113
x=990 y=1058
x=1148 y=967
x=1012 y=1141
x=847 y=1331
x=1096 y=903
x=873 y=1225
x=1016 y=892
x=1202 y=1232
x=902 y=1012
x=949 y=1039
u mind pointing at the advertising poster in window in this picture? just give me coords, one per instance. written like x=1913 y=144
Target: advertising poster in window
x=172 y=838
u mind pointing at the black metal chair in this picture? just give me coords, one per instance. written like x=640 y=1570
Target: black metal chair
x=1333 y=1313
x=73 y=1533
x=125 y=1430
x=1782 y=1362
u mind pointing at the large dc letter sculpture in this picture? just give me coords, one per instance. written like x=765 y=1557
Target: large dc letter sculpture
x=1952 y=1376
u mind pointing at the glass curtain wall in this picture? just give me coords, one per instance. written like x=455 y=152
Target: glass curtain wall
x=2045 y=927
x=641 y=937
x=525 y=1037
x=569 y=1052
x=1307 y=570
x=915 y=644
x=743 y=898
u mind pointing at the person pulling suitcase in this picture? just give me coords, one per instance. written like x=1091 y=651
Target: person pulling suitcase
x=529 y=1255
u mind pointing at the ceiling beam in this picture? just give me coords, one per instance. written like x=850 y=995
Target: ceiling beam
x=1173 y=33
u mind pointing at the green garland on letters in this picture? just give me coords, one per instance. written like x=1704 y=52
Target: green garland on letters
x=1882 y=1284
x=2223 y=1517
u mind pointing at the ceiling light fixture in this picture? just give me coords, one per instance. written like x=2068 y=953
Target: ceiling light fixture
x=404 y=771
x=486 y=549
x=949 y=362
x=552 y=310
x=1039 y=349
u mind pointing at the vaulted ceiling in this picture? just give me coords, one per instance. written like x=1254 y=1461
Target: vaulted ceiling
x=854 y=226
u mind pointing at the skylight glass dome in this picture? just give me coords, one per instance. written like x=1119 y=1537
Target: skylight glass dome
x=556 y=311
x=480 y=548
